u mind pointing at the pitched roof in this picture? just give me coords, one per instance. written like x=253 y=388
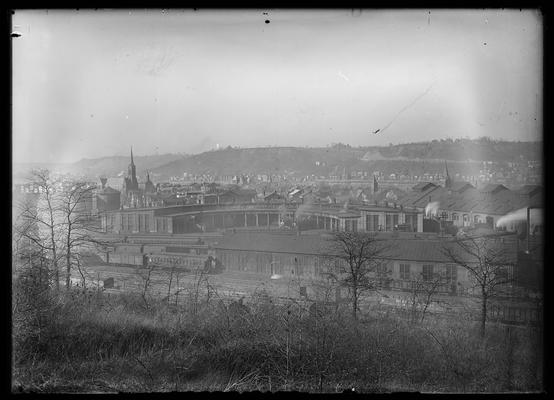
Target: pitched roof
x=422 y=186
x=460 y=186
x=493 y=199
x=414 y=198
x=530 y=190
x=108 y=190
x=493 y=188
x=274 y=194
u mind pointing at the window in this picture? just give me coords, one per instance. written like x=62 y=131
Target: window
x=411 y=220
x=451 y=273
x=388 y=222
x=382 y=269
x=454 y=217
x=350 y=226
x=503 y=275
x=371 y=223
x=147 y=223
x=405 y=271
x=427 y=272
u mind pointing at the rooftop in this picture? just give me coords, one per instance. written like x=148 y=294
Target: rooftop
x=414 y=248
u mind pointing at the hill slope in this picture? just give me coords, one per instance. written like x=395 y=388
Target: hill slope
x=304 y=161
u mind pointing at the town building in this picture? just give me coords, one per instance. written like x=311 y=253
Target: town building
x=138 y=195
x=106 y=198
x=463 y=205
x=308 y=257
x=243 y=212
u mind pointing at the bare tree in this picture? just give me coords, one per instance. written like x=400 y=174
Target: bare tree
x=79 y=228
x=359 y=259
x=39 y=218
x=489 y=263
x=423 y=293
x=201 y=277
x=145 y=275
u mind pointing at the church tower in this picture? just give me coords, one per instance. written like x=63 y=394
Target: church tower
x=130 y=182
x=447 y=181
x=133 y=172
x=149 y=186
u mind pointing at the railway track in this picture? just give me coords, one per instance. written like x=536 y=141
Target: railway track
x=233 y=284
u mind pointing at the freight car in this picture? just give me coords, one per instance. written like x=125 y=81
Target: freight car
x=187 y=257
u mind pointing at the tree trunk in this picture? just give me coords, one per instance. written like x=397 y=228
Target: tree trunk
x=55 y=262
x=68 y=270
x=354 y=303
x=68 y=254
x=483 y=315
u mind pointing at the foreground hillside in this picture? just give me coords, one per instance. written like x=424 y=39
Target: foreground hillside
x=88 y=341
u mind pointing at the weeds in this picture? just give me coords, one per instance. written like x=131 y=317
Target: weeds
x=85 y=341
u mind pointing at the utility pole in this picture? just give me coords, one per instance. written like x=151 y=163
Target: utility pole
x=528 y=227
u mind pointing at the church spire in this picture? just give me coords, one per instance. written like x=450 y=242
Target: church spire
x=132 y=163
x=447 y=181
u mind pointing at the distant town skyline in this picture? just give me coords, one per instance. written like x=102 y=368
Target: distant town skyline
x=88 y=84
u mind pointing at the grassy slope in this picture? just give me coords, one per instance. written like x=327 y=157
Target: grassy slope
x=95 y=343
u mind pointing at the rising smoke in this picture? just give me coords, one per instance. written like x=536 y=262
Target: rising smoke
x=519 y=216
x=432 y=209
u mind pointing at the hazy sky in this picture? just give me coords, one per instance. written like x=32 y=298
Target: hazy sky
x=89 y=84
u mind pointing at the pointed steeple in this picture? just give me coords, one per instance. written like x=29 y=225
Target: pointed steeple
x=132 y=174
x=447 y=181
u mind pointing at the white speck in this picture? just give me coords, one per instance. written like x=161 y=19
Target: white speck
x=126 y=117
x=343 y=76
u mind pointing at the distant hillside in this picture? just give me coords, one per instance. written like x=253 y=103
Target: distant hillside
x=464 y=155
x=108 y=166
x=459 y=150
x=111 y=166
x=274 y=160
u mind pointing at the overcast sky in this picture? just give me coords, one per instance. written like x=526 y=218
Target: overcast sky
x=89 y=84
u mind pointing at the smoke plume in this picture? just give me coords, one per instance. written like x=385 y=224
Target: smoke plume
x=519 y=216
x=432 y=209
